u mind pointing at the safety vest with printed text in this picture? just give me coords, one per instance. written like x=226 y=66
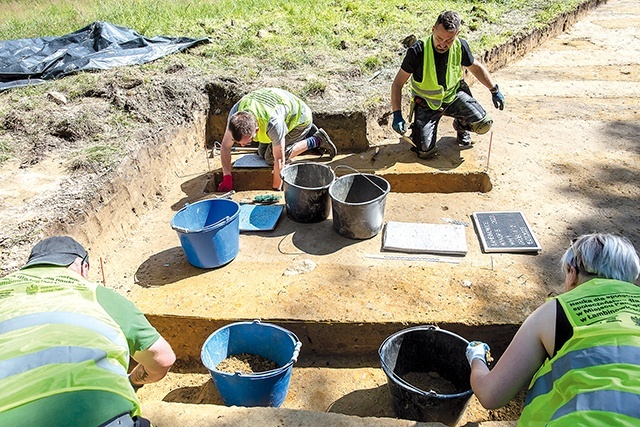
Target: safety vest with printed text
x=429 y=89
x=55 y=338
x=594 y=379
x=263 y=103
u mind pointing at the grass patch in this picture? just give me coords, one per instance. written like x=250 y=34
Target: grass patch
x=313 y=87
x=284 y=34
x=95 y=158
x=5 y=150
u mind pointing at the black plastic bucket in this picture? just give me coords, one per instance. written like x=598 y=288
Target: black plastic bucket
x=306 y=191
x=426 y=349
x=357 y=202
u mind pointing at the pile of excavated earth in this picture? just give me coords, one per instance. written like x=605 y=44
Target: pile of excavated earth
x=564 y=152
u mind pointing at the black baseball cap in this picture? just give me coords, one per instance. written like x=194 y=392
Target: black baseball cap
x=57 y=250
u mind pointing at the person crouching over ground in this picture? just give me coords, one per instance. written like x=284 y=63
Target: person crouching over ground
x=438 y=88
x=65 y=344
x=580 y=351
x=283 y=125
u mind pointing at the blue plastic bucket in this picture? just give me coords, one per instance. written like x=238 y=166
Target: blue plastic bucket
x=268 y=388
x=209 y=231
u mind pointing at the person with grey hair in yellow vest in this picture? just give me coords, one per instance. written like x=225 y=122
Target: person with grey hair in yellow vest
x=438 y=89
x=280 y=122
x=65 y=344
x=580 y=351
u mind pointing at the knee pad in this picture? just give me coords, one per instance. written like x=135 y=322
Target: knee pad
x=483 y=126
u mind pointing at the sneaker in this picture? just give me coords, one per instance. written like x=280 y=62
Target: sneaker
x=325 y=143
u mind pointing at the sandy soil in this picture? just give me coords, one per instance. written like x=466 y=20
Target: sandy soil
x=564 y=151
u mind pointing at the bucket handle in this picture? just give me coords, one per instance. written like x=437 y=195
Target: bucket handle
x=365 y=176
x=210 y=226
x=400 y=380
x=296 y=350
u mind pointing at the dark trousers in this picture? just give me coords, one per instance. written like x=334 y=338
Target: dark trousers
x=265 y=151
x=126 y=420
x=464 y=108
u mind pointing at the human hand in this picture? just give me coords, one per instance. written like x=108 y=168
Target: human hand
x=226 y=184
x=399 y=125
x=478 y=350
x=497 y=97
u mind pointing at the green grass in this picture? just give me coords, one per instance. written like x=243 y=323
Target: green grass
x=5 y=150
x=94 y=158
x=282 y=33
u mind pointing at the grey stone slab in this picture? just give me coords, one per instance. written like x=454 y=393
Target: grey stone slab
x=252 y=160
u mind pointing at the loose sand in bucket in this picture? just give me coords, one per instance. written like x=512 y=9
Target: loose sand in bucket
x=246 y=363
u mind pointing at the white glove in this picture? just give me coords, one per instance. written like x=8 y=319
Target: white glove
x=477 y=350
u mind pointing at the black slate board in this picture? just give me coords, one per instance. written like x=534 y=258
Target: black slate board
x=505 y=232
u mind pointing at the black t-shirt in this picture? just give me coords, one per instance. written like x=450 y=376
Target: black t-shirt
x=413 y=62
x=564 y=330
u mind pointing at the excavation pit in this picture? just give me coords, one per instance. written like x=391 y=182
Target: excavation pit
x=338 y=369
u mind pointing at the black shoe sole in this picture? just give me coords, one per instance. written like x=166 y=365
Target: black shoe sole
x=425 y=154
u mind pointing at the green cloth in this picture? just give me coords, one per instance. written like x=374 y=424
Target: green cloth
x=89 y=408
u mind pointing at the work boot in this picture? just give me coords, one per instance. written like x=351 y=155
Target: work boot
x=463 y=137
x=325 y=143
x=425 y=154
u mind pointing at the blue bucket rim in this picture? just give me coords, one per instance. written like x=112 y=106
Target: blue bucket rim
x=270 y=373
x=333 y=174
x=382 y=196
x=392 y=375
x=223 y=221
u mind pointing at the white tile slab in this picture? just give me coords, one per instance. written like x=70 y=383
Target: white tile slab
x=448 y=239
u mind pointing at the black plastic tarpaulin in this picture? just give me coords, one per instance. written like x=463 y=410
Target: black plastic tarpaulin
x=98 y=46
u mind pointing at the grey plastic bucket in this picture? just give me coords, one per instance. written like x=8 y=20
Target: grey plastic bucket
x=357 y=202
x=306 y=191
x=424 y=349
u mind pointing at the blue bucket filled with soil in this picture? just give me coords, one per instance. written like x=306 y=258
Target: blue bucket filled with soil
x=427 y=373
x=267 y=388
x=209 y=231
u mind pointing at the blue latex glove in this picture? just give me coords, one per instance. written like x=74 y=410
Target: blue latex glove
x=497 y=97
x=477 y=350
x=399 y=125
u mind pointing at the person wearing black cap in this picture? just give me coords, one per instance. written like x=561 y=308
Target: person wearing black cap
x=65 y=344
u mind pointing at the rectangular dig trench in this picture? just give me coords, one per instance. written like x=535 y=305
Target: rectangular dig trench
x=365 y=143
x=338 y=369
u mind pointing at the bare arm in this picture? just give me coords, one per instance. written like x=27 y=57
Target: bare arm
x=278 y=163
x=396 y=89
x=153 y=363
x=524 y=356
x=480 y=72
x=225 y=152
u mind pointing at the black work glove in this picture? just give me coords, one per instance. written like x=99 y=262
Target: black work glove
x=497 y=97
